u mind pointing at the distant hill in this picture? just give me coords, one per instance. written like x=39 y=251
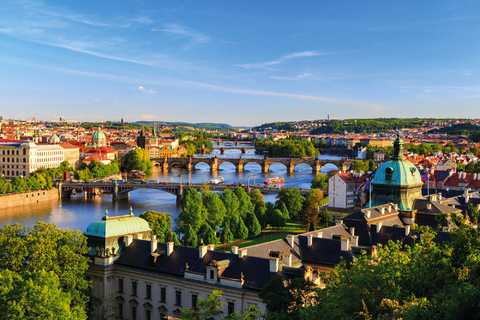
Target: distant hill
x=197 y=125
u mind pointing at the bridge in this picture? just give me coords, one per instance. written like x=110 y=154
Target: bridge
x=166 y=164
x=122 y=190
x=222 y=149
x=236 y=142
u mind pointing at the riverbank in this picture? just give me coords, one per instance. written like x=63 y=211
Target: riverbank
x=27 y=197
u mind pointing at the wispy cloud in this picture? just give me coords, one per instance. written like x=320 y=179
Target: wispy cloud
x=147 y=116
x=297 y=77
x=145 y=90
x=177 y=30
x=265 y=65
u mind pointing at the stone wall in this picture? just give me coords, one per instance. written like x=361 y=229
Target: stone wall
x=9 y=200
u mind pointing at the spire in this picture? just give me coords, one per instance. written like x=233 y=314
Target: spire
x=131 y=211
x=106 y=214
x=398 y=148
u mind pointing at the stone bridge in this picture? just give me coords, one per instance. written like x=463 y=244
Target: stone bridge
x=236 y=142
x=166 y=164
x=222 y=149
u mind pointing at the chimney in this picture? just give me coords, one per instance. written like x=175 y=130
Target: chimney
x=345 y=246
x=153 y=243
x=290 y=239
x=376 y=227
x=382 y=210
x=210 y=247
x=467 y=197
x=139 y=236
x=395 y=207
x=242 y=253
x=354 y=240
x=407 y=230
x=429 y=206
x=287 y=259
x=202 y=250
x=309 y=239
x=352 y=231
x=338 y=222
x=234 y=249
x=128 y=240
x=367 y=213
x=319 y=234
x=169 y=248
x=478 y=206
x=273 y=264
x=389 y=209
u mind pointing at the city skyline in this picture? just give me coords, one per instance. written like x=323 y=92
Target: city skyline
x=242 y=63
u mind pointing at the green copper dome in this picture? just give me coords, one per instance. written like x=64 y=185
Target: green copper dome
x=396 y=181
x=99 y=135
x=117 y=226
x=54 y=137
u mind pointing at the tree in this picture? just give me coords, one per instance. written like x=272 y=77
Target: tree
x=371 y=165
x=206 y=308
x=216 y=210
x=205 y=191
x=138 y=159
x=36 y=295
x=160 y=223
x=319 y=182
x=277 y=219
x=242 y=230
x=44 y=247
x=311 y=209
x=226 y=236
x=262 y=217
x=254 y=226
x=244 y=204
x=358 y=165
x=292 y=199
x=190 y=237
x=258 y=200
x=231 y=203
x=209 y=235
x=325 y=217
x=193 y=212
x=473 y=212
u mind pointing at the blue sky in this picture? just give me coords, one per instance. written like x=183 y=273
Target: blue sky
x=238 y=62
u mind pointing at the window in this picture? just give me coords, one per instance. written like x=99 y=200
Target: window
x=120 y=310
x=178 y=298
x=194 y=301
x=231 y=308
x=388 y=174
x=24 y=151
x=134 y=288
x=120 y=285
x=212 y=274
x=162 y=316
x=134 y=313
x=163 y=295
x=147 y=314
x=148 y=293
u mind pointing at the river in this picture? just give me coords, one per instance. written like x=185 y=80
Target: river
x=77 y=214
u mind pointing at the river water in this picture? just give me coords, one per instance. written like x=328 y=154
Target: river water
x=77 y=214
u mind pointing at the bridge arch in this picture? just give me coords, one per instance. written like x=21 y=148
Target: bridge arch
x=204 y=165
x=303 y=164
x=252 y=166
x=221 y=165
x=278 y=165
x=329 y=166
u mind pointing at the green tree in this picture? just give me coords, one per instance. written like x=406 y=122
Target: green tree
x=311 y=209
x=44 y=247
x=209 y=235
x=206 y=308
x=242 y=230
x=292 y=199
x=138 y=159
x=216 y=210
x=245 y=205
x=231 y=203
x=473 y=212
x=36 y=295
x=193 y=212
x=253 y=225
x=190 y=237
x=277 y=220
x=358 y=165
x=262 y=217
x=319 y=182
x=325 y=217
x=257 y=199
x=371 y=165
x=226 y=236
x=160 y=223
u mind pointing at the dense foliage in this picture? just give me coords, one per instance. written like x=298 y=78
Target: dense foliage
x=463 y=129
x=367 y=125
x=197 y=143
x=161 y=225
x=287 y=148
x=96 y=170
x=138 y=159
x=28 y=251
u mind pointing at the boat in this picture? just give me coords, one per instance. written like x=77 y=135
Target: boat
x=136 y=174
x=275 y=180
x=82 y=194
x=218 y=180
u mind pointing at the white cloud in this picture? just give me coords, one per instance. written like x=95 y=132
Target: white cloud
x=182 y=31
x=145 y=90
x=264 y=65
x=298 y=77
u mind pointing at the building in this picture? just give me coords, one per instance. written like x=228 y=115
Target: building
x=71 y=154
x=396 y=181
x=152 y=280
x=143 y=141
x=342 y=189
x=379 y=155
x=99 y=139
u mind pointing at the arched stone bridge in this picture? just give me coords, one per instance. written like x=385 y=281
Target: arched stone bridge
x=222 y=149
x=166 y=164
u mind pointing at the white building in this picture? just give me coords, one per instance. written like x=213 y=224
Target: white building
x=342 y=189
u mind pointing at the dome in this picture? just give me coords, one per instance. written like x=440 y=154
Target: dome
x=117 y=226
x=99 y=135
x=54 y=137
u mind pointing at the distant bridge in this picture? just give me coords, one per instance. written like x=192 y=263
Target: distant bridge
x=223 y=149
x=166 y=164
x=234 y=141
x=122 y=190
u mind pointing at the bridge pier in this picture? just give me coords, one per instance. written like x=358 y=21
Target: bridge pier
x=265 y=167
x=117 y=195
x=291 y=166
x=222 y=150
x=214 y=165
x=239 y=167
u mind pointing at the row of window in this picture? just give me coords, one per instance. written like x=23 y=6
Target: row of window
x=148 y=313
x=50 y=159
x=49 y=153
x=13 y=152
x=13 y=159
x=18 y=173
x=163 y=298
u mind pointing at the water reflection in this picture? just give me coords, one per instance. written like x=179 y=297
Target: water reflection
x=79 y=213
